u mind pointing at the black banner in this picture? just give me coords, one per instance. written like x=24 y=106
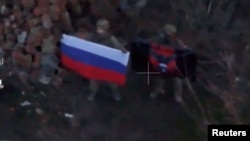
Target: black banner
x=170 y=62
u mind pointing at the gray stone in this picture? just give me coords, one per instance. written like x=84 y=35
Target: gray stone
x=22 y=37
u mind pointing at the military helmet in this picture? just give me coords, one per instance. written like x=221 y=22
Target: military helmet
x=102 y=23
x=170 y=29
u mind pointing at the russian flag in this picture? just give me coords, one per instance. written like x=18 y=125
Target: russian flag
x=94 y=61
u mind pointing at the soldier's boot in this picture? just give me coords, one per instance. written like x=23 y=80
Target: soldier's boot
x=115 y=91
x=157 y=92
x=158 y=88
x=153 y=95
x=93 y=87
x=178 y=89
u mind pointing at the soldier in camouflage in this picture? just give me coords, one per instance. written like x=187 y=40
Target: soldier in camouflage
x=168 y=37
x=104 y=37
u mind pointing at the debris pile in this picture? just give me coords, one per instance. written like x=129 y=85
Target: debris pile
x=30 y=32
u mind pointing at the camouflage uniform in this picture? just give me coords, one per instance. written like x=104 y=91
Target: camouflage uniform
x=158 y=87
x=108 y=40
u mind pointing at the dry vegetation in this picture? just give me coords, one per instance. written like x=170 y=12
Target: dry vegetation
x=218 y=31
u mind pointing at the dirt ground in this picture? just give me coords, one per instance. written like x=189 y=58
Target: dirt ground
x=135 y=118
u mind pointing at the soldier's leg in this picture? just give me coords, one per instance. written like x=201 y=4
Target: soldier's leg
x=178 y=89
x=158 y=87
x=93 y=87
x=115 y=90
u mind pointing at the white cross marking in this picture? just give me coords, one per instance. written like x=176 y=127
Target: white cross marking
x=148 y=73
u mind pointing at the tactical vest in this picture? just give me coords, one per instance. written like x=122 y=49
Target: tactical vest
x=107 y=41
x=169 y=41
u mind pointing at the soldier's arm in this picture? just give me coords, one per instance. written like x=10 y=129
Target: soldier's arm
x=118 y=45
x=181 y=44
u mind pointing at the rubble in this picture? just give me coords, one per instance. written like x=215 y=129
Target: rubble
x=39 y=111
x=25 y=103
x=67 y=115
x=3 y=9
x=44 y=79
x=21 y=37
x=35 y=36
x=43 y=94
x=1 y=86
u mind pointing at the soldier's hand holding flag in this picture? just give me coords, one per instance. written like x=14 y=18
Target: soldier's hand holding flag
x=124 y=50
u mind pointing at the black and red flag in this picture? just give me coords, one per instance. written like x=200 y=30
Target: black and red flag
x=170 y=62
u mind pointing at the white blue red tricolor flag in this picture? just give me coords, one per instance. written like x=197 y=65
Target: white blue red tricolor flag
x=94 y=61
